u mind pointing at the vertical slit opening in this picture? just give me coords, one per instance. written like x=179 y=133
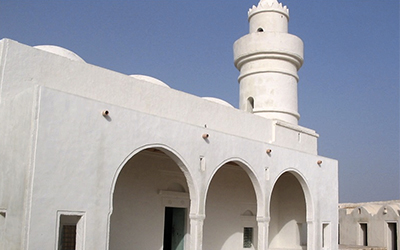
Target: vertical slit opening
x=250 y=105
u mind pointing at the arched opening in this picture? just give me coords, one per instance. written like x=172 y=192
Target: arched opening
x=288 y=225
x=231 y=209
x=150 y=204
x=250 y=104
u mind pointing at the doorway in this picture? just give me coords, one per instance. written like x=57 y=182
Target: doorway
x=174 y=228
x=363 y=234
x=392 y=236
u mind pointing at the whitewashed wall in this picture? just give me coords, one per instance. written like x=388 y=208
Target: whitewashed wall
x=60 y=155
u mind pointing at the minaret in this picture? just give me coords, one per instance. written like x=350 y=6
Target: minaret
x=268 y=59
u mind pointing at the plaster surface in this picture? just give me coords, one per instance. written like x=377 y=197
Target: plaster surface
x=381 y=220
x=112 y=151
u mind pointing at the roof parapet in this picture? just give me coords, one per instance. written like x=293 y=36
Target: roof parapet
x=268 y=6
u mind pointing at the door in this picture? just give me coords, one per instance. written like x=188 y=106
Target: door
x=392 y=236
x=174 y=228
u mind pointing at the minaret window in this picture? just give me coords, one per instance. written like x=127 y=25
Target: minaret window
x=250 y=104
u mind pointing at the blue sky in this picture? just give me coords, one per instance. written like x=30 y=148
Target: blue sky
x=349 y=83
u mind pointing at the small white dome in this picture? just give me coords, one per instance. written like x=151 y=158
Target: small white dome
x=219 y=101
x=150 y=79
x=60 y=51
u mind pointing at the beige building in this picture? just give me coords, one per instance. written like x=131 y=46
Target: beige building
x=370 y=224
x=95 y=159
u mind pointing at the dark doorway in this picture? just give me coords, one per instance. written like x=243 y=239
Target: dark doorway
x=174 y=228
x=364 y=234
x=392 y=237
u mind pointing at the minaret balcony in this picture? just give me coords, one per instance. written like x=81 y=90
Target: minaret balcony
x=273 y=45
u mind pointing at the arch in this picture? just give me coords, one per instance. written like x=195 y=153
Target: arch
x=246 y=167
x=166 y=150
x=305 y=186
x=250 y=105
x=172 y=186
x=369 y=209
x=232 y=199
x=393 y=208
x=290 y=211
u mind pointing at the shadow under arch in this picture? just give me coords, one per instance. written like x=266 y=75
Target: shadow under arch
x=232 y=199
x=170 y=153
x=290 y=208
x=250 y=173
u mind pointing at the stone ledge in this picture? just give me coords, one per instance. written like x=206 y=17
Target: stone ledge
x=346 y=247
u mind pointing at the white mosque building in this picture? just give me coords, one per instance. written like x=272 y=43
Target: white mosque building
x=95 y=159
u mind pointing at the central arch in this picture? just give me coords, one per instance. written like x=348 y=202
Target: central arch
x=231 y=208
x=151 y=202
x=290 y=206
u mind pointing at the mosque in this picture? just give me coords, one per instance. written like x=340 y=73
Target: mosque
x=95 y=159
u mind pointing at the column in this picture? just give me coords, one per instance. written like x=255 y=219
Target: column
x=196 y=231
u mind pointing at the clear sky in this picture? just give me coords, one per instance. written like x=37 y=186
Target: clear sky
x=349 y=83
